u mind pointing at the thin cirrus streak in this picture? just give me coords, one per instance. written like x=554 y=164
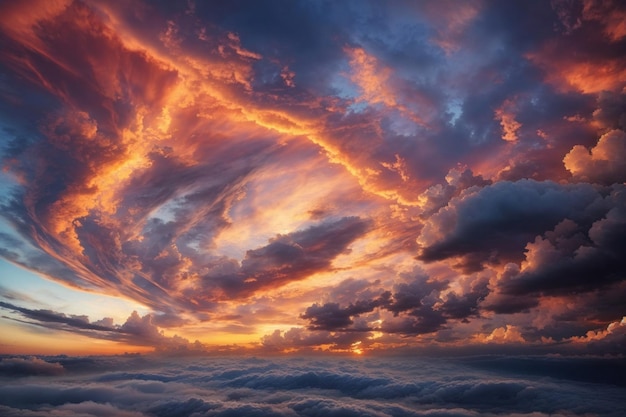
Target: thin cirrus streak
x=294 y=176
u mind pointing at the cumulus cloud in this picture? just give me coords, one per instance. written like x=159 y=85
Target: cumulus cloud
x=566 y=258
x=510 y=126
x=604 y=163
x=611 y=339
x=331 y=316
x=492 y=224
x=417 y=306
x=506 y=334
x=457 y=180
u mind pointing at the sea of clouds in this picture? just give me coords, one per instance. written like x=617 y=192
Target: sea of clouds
x=134 y=386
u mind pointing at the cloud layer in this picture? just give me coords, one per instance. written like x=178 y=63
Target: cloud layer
x=144 y=386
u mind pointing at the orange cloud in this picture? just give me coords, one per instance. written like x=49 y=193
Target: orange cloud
x=505 y=334
x=376 y=83
x=506 y=115
x=605 y=162
x=572 y=72
x=372 y=79
x=605 y=12
x=614 y=332
x=455 y=17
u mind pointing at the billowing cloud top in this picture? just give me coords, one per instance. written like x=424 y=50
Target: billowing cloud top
x=295 y=176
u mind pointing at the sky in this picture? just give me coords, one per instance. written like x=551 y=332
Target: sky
x=319 y=177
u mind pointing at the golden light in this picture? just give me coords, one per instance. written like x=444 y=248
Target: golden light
x=355 y=348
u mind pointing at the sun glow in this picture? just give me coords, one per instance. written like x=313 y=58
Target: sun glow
x=356 y=348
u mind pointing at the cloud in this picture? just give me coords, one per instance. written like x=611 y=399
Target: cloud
x=331 y=316
x=298 y=386
x=604 y=163
x=49 y=316
x=493 y=224
x=510 y=127
x=183 y=408
x=303 y=340
x=610 y=113
x=466 y=304
x=289 y=257
x=610 y=14
x=563 y=259
x=14 y=367
x=137 y=330
x=506 y=334
x=457 y=180
x=593 y=68
x=611 y=339
x=588 y=369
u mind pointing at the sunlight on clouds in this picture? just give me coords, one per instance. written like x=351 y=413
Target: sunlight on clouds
x=278 y=200
x=342 y=177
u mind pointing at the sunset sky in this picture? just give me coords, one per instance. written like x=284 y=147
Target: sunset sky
x=357 y=177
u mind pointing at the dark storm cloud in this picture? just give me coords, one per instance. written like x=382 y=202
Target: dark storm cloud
x=505 y=304
x=420 y=320
x=412 y=294
x=465 y=305
x=558 y=262
x=571 y=268
x=493 y=224
x=611 y=111
x=489 y=386
x=570 y=259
